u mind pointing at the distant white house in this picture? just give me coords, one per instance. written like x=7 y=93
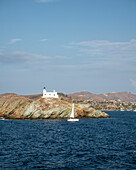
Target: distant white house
x=49 y=94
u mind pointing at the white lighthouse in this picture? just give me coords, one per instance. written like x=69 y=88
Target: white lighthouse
x=49 y=94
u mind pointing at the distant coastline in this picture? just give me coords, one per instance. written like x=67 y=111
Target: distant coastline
x=106 y=102
x=123 y=101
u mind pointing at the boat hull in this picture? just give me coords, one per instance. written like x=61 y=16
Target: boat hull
x=73 y=120
x=2 y=118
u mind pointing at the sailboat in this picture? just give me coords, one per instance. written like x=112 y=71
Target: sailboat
x=2 y=118
x=72 y=117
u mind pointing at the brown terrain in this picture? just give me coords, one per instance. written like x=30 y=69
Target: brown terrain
x=122 y=96
x=14 y=106
x=106 y=102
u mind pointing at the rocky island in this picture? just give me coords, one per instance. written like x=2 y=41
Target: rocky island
x=13 y=106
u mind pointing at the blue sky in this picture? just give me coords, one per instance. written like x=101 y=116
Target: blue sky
x=67 y=45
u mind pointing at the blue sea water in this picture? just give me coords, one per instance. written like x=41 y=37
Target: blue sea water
x=58 y=144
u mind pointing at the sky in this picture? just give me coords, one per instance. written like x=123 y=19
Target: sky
x=67 y=45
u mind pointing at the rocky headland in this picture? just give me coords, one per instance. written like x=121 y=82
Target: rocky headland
x=14 y=106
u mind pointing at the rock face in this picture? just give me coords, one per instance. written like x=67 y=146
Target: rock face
x=13 y=106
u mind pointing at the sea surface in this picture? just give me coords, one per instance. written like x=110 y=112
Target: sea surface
x=57 y=144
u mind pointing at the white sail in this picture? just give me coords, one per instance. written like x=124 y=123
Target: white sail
x=72 y=113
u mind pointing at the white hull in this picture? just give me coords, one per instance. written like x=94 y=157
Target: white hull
x=73 y=120
x=2 y=118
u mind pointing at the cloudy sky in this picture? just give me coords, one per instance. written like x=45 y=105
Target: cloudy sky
x=67 y=45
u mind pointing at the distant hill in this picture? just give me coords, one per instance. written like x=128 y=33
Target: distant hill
x=122 y=96
x=7 y=94
x=85 y=95
x=33 y=97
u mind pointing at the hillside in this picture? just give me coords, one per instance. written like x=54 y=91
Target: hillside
x=33 y=97
x=122 y=96
x=84 y=95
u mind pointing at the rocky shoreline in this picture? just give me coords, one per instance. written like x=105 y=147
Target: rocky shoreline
x=14 y=106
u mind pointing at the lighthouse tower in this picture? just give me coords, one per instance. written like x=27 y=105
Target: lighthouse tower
x=44 y=92
x=49 y=94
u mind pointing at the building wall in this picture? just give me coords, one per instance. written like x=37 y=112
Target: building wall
x=50 y=94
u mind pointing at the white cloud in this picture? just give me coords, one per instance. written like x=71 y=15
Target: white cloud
x=1 y=53
x=2 y=50
x=2 y=47
x=107 y=48
x=22 y=56
x=14 y=40
x=133 y=83
x=61 y=57
x=43 y=40
x=44 y=1
x=74 y=66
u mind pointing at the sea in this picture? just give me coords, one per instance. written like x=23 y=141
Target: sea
x=107 y=144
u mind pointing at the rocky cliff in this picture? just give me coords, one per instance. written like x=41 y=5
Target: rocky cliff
x=13 y=106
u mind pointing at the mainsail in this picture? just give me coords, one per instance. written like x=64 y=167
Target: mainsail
x=72 y=113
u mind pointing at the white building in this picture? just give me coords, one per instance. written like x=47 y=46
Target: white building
x=49 y=94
